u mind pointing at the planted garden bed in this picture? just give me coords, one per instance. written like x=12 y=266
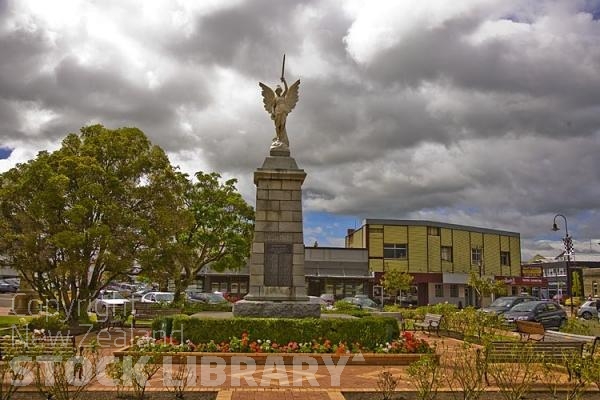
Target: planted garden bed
x=402 y=350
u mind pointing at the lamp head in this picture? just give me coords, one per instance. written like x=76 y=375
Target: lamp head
x=555 y=227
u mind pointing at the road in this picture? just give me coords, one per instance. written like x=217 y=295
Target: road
x=6 y=300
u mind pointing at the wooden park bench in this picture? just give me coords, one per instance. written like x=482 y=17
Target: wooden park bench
x=560 y=353
x=529 y=330
x=589 y=342
x=33 y=346
x=149 y=311
x=431 y=322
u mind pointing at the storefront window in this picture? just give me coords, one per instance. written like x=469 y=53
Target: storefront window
x=329 y=288
x=349 y=290
x=339 y=290
x=453 y=290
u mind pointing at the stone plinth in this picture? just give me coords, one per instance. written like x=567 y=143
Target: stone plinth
x=272 y=309
x=277 y=260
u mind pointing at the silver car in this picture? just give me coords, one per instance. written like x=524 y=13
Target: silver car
x=588 y=310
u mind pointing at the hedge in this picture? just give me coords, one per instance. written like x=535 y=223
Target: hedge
x=368 y=331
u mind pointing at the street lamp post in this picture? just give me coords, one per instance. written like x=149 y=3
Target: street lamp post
x=568 y=242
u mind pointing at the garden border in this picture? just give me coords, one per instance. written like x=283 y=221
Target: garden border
x=288 y=358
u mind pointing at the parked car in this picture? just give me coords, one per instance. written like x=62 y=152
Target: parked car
x=547 y=313
x=127 y=289
x=8 y=287
x=108 y=299
x=504 y=304
x=588 y=310
x=407 y=300
x=317 y=300
x=363 y=302
x=207 y=298
x=329 y=298
x=158 y=297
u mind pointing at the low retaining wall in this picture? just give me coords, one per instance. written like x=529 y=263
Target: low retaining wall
x=285 y=358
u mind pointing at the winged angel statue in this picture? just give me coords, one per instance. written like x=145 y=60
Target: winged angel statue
x=279 y=104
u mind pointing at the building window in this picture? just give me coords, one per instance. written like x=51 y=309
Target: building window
x=505 y=258
x=433 y=231
x=595 y=288
x=395 y=250
x=453 y=290
x=476 y=255
x=446 y=253
x=439 y=290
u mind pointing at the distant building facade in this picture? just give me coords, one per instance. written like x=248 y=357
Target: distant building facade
x=342 y=272
x=584 y=268
x=440 y=256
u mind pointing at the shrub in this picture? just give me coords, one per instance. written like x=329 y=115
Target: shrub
x=368 y=331
x=473 y=323
x=577 y=327
x=49 y=322
x=193 y=308
x=163 y=326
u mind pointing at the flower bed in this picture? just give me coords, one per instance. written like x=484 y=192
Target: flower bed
x=402 y=351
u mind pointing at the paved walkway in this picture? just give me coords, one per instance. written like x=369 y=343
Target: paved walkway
x=278 y=382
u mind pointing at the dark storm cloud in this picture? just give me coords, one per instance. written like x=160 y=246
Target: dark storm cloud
x=477 y=112
x=246 y=37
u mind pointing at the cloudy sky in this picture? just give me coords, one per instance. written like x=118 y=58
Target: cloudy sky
x=476 y=112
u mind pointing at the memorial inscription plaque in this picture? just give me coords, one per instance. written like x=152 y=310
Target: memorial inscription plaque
x=278 y=264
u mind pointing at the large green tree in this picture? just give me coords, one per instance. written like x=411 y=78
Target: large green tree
x=77 y=218
x=219 y=236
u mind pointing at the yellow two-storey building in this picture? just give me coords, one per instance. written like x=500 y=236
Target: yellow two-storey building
x=439 y=256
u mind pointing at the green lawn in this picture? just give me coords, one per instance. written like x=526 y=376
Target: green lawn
x=7 y=321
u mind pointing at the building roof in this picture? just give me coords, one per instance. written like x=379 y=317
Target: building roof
x=403 y=222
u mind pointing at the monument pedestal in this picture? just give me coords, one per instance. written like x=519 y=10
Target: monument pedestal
x=277 y=281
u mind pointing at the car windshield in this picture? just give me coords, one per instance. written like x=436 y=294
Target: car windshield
x=113 y=296
x=164 y=297
x=502 y=302
x=525 y=307
x=214 y=297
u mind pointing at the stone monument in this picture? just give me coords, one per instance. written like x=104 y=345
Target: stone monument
x=277 y=282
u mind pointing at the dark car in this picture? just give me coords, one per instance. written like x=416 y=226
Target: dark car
x=208 y=298
x=8 y=287
x=363 y=302
x=547 y=313
x=504 y=304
